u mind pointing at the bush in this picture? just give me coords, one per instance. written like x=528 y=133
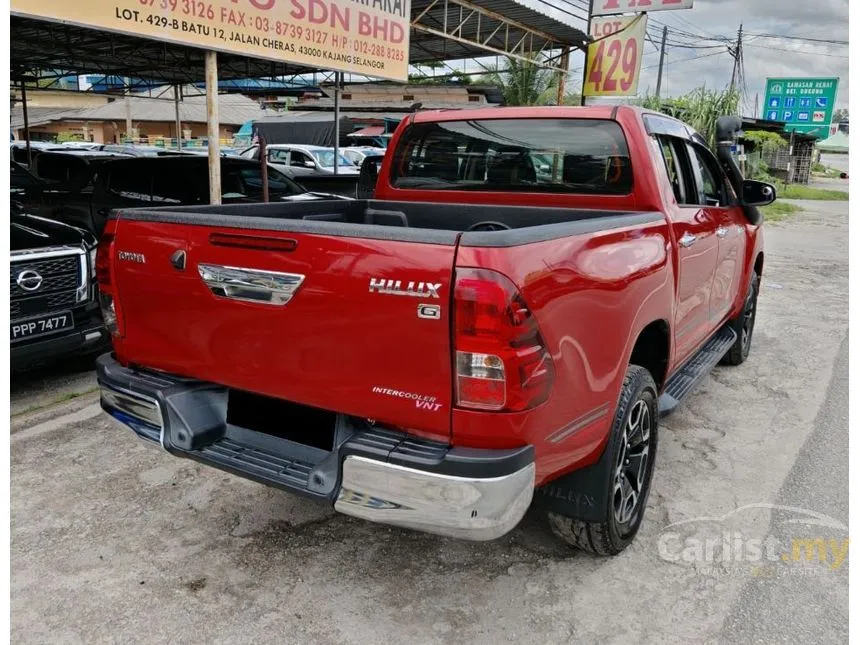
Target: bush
x=765 y=141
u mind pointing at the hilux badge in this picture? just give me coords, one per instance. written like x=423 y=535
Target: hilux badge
x=396 y=288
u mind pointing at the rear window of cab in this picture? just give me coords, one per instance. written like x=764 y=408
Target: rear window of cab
x=581 y=156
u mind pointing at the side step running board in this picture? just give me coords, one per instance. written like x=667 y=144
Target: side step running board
x=694 y=370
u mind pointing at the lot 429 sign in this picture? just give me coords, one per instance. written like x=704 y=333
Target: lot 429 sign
x=615 y=56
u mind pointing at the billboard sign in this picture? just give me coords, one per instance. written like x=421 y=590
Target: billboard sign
x=615 y=56
x=609 y=7
x=803 y=104
x=361 y=36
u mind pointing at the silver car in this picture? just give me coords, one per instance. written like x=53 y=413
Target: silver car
x=301 y=161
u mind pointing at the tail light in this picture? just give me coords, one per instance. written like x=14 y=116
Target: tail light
x=104 y=276
x=501 y=361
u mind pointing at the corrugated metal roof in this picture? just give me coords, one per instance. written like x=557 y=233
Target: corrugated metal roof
x=233 y=109
x=426 y=47
x=37 y=116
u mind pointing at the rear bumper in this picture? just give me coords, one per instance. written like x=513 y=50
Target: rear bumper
x=372 y=473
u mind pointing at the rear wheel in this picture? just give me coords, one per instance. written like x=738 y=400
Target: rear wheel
x=632 y=445
x=743 y=326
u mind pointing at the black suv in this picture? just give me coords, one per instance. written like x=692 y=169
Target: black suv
x=87 y=199
x=53 y=307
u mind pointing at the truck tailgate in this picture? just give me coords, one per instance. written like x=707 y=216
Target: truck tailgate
x=349 y=338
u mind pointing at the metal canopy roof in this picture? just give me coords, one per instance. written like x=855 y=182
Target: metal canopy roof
x=441 y=29
x=454 y=29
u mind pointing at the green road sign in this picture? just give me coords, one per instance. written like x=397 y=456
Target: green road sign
x=803 y=104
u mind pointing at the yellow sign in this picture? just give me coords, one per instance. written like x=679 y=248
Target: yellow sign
x=615 y=56
x=361 y=36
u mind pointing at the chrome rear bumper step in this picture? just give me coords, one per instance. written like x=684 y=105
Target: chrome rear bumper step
x=376 y=474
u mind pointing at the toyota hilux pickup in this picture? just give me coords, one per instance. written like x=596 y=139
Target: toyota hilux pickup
x=502 y=324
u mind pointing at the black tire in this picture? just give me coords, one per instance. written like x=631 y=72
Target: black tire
x=743 y=326
x=622 y=520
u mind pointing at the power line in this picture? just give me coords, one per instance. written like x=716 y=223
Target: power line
x=687 y=60
x=557 y=8
x=797 y=51
x=688 y=34
x=811 y=40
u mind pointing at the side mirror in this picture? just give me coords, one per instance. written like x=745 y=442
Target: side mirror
x=310 y=164
x=758 y=193
x=367 y=177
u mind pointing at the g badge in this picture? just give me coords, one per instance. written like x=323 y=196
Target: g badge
x=429 y=312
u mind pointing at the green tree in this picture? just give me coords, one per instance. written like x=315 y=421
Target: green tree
x=524 y=82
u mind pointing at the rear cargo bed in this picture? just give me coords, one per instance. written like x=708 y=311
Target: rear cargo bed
x=340 y=305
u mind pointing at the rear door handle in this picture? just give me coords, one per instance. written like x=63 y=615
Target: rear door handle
x=250 y=285
x=687 y=240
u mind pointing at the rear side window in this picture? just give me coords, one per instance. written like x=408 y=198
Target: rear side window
x=172 y=186
x=275 y=155
x=672 y=152
x=585 y=156
x=299 y=159
x=130 y=181
x=248 y=180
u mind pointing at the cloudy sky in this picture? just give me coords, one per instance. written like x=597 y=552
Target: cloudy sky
x=764 y=57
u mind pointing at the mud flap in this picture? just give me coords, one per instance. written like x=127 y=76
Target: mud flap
x=582 y=494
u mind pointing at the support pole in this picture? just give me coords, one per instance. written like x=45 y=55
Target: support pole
x=128 y=124
x=564 y=63
x=585 y=67
x=178 y=121
x=26 y=124
x=212 y=128
x=662 y=58
x=790 y=166
x=337 y=81
x=264 y=168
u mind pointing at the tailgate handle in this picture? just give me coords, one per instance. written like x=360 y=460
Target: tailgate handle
x=250 y=285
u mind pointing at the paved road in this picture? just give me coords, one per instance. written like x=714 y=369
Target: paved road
x=834 y=160
x=114 y=541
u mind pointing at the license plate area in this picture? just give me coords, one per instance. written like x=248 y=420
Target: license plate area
x=283 y=419
x=38 y=326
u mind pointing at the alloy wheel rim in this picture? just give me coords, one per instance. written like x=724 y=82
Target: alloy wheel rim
x=746 y=329
x=631 y=468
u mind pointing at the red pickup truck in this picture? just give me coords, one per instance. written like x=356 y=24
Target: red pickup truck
x=529 y=289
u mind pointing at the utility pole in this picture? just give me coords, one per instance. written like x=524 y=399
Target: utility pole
x=564 y=64
x=585 y=67
x=662 y=58
x=128 y=122
x=737 y=55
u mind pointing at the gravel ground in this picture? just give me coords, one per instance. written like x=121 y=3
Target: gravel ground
x=114 y=541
